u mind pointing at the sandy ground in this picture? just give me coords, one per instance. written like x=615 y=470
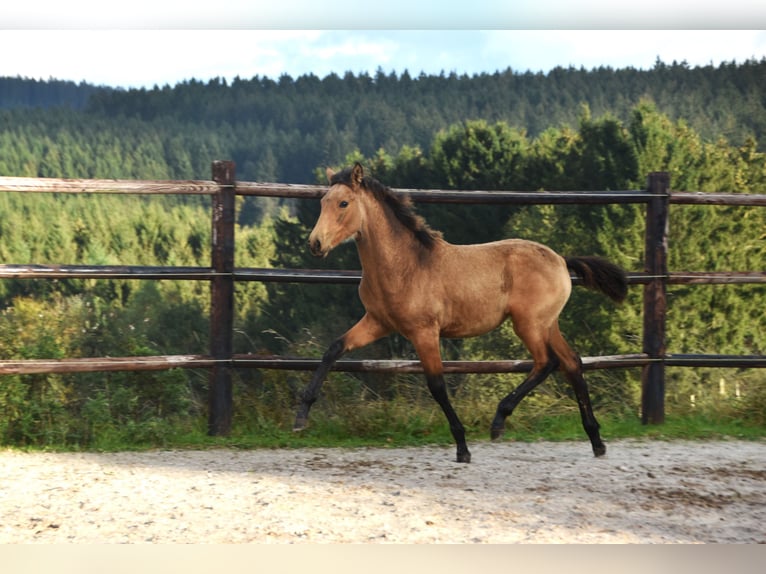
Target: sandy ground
x=640 y=492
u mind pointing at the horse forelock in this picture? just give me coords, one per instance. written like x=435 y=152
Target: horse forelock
x=342 y=177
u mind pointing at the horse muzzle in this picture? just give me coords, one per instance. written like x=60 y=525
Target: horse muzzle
x=316 y=248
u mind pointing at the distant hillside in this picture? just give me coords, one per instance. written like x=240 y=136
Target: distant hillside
x=390 y=109
x=283 y=129
x=28 y=93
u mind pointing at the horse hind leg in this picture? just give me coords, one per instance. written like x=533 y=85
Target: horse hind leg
x=550 y=353
x=545 y=362
x=571 y=366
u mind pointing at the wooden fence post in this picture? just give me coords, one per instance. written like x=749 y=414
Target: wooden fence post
x=222 y=300
x=655 y=299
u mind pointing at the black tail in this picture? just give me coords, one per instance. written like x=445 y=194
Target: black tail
x=601 y=275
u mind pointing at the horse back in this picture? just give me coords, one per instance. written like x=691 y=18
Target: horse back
x=483 y=284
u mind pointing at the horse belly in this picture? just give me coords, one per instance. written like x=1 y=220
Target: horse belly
x=476 y=291
x=473 y=316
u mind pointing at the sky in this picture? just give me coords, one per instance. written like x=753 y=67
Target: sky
x=142 y=43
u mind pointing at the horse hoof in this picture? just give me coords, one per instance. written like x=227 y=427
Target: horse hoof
x=496 y=433
x=599 y=450
x=464 y=457
x=300 y=424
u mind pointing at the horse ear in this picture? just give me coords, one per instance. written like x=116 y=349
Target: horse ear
x=329 y=173
x=357 y=174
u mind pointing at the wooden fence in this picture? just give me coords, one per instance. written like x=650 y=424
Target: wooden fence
x=222 y=275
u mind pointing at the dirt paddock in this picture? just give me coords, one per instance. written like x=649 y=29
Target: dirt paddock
x=641 y=491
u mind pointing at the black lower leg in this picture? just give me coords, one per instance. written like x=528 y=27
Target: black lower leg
x=439 y=393
x=589 y=422
x=311 y=392
x=505 y=407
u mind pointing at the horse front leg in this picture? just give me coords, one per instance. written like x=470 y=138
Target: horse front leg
x=427 y=348
x=363 y=333
x=311 y=392
x=439 y=392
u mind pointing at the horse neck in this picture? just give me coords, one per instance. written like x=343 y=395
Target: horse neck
x=385 y=244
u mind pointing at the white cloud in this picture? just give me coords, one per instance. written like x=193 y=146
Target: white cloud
x=146 y=57
x=353 y=48
x=134 y=58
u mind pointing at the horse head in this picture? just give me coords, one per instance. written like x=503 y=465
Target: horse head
x=342 y=214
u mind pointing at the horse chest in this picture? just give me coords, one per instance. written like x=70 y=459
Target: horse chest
x=399 y=303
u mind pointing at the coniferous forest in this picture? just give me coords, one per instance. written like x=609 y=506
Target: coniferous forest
x=569 y=129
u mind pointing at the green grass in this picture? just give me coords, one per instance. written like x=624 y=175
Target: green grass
x=347 y=421
x=335 y=432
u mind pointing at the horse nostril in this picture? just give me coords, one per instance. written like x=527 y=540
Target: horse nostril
x=315 y=246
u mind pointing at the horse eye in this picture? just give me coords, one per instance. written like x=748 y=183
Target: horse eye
x=343 y=204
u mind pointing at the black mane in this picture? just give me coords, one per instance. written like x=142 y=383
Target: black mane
x=400 y=205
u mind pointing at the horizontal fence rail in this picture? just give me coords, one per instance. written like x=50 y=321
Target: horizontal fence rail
x=514 y=197
x=105 y=364
x=500 y=366
x=391 y=366
x=222 y=274
x=103 y=272
x=271 y=275
x=126 y=186
x=300 y=191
